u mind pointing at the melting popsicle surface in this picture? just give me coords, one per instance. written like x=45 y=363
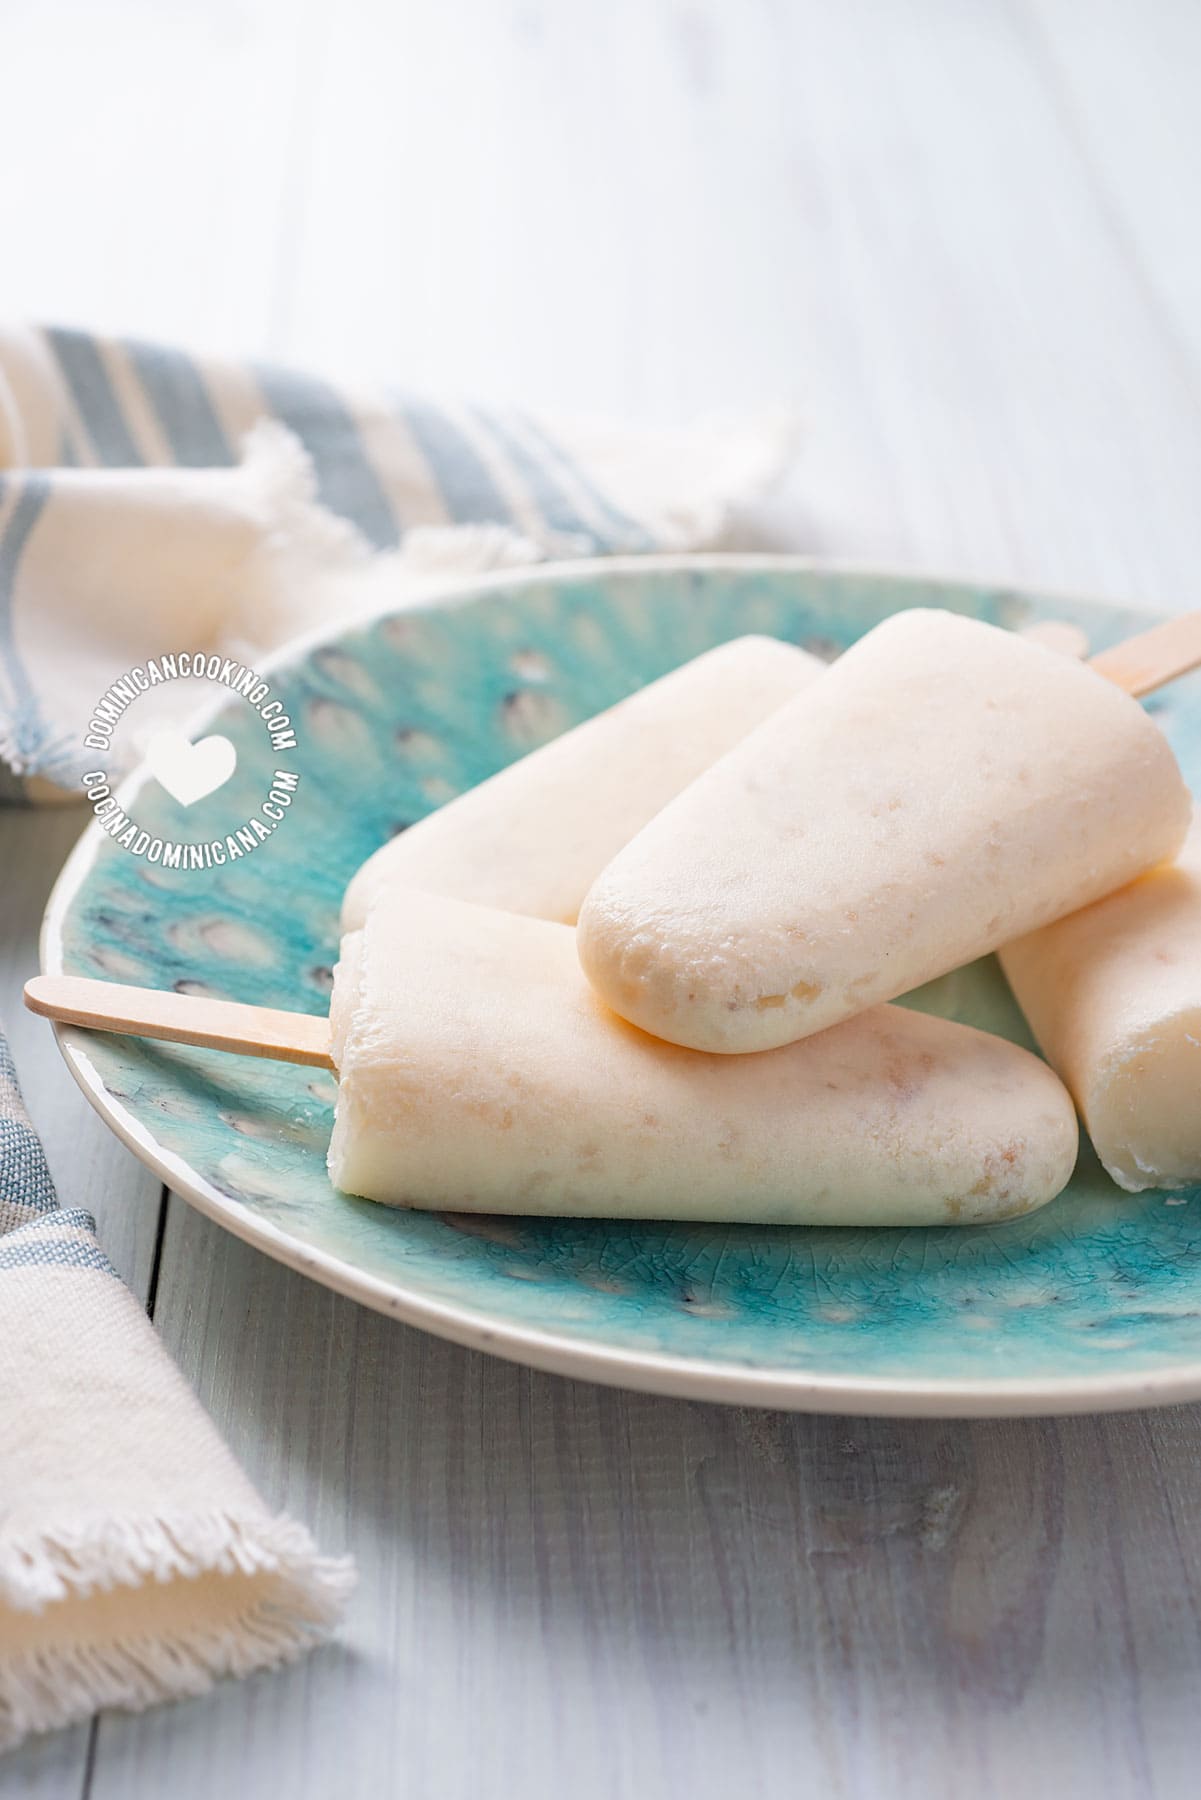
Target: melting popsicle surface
x=944 y=788
x=1113 y=995
x=478 y=1071
x=533 y=838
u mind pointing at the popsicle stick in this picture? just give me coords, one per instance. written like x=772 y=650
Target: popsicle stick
x=182 y=1019
x=1146 y=662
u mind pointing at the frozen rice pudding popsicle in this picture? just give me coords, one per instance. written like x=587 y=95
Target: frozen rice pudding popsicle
x=1113 y=995
x=532 y=838
x=945 y=787
x=478 y=1071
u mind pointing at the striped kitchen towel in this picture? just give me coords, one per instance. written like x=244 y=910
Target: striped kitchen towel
x=137 y=1563
x=149 y=498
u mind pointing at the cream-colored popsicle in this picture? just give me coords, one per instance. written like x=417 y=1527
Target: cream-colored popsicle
x=532 y=838
x=479 y=1072
x=1113 y=995
x=945 y=787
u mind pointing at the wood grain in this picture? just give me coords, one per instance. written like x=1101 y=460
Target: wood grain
x=959 y=238
x=675 y=1599
x=228 y=1025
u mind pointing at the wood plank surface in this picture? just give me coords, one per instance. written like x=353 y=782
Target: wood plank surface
x=565 y=1588
x=957 y=236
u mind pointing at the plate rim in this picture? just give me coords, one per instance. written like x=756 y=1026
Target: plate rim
x=729 y=1382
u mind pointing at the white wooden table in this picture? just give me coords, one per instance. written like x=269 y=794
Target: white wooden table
x=962 y=237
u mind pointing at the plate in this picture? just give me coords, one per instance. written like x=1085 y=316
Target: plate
x=1092 y=1303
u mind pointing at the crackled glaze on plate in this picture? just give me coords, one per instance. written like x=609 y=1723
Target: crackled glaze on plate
x=1093 y=1302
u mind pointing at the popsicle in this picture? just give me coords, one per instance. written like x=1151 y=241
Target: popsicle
x=945 y=787
x=532 y=838
x=1113 y=995
x=478 y=1071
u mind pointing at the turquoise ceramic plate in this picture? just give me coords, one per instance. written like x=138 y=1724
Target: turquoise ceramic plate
x=1094 y=1302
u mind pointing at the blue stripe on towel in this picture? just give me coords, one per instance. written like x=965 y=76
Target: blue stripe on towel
x=552 y=502
x=26 y=1190
x=45 y=1253
x=346 y=481
x=177 y=392
x=34 y=1232
x=54 y=1220
x=93 y=393
x=470 y=494
x=628 y=533
x=29 y=728
x=35 y=490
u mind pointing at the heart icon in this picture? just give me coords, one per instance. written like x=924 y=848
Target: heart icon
x=189 y=772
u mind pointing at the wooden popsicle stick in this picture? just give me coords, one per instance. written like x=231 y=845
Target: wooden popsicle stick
x=1146 y=662
x=182 y=1018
